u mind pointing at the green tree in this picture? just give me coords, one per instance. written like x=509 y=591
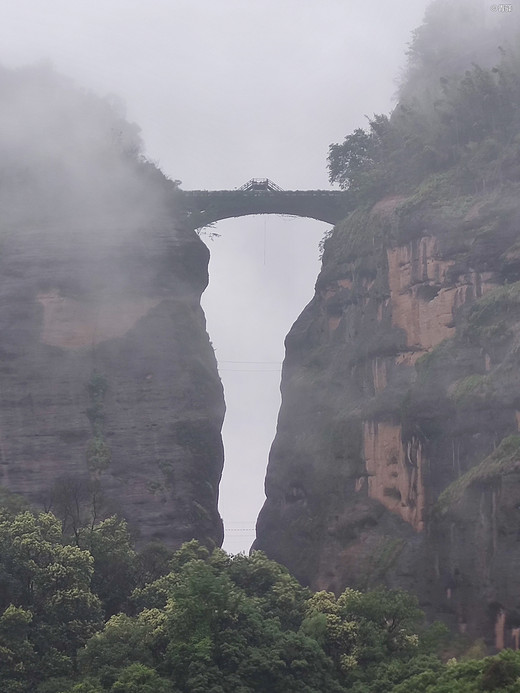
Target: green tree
x=349 y=159
x=17 y=656
x=280 y=595
x=45 y=589
x=153 y=561
x=125 y=640
x=115 y=563
x=140 y=679
x=216 y=623
x=459 y=109
x=373 y=638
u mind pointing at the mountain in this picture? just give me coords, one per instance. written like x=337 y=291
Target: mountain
x=397 y=454
x=110 y=401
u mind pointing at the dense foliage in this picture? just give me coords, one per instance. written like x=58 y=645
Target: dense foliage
x=82 y=612
x=458 y=111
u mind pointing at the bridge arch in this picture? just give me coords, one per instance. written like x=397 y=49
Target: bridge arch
x=262 y=196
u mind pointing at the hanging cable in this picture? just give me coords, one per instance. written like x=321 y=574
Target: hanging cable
x=265 y=237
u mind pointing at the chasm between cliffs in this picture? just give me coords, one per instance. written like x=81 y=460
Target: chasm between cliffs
x=262 y=273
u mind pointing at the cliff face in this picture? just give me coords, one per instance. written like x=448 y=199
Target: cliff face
x=110 y=399
x=105 y=344
x=393 y=460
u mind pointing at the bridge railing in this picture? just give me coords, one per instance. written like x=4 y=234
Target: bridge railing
x=284 y=193
x=260 y=184
x=206 y=206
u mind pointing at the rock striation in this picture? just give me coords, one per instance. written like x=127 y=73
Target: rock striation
x=397 y=455
x=110 y=400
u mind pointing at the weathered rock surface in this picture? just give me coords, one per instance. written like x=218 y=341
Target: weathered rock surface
x=71 y=310
x=399 y=384
x=110 y=399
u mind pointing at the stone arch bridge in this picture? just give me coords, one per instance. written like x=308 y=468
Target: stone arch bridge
x=262 y=196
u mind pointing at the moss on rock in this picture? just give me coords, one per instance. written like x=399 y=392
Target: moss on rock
x=504 y=460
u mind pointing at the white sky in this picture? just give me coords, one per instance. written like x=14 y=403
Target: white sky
x=224 y=91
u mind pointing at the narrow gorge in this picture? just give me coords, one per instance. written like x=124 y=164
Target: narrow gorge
x=396 y=460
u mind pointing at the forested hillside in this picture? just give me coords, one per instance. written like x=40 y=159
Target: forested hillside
x=456 y=122
x=85 y=613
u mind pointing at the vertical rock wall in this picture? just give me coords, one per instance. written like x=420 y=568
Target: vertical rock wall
x=110 y=400
x=78 y=307
x=400 y=378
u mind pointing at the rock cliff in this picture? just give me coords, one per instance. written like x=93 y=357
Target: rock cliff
x=396 y=458
x=110 y=399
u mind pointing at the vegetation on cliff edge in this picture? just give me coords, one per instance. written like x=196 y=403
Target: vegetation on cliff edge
x=457 y=120
x=504 y=460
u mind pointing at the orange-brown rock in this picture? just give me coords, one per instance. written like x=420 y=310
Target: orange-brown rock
x=401 y=377
x=395 y=471
x=70 y=323
x=423 y=303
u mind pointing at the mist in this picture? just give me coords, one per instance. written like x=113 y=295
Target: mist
x=68 y=152
x=222 y=93
x=339 y=403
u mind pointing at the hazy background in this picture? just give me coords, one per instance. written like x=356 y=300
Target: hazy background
x=227 y=90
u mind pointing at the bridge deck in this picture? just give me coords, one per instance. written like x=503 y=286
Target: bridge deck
x=203 y=207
